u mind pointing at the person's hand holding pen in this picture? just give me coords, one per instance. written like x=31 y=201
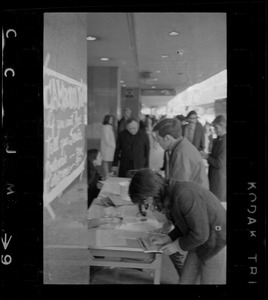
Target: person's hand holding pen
x=160 y=241
x=169 y=246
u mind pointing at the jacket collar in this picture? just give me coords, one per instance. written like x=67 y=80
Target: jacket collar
x=173 y=145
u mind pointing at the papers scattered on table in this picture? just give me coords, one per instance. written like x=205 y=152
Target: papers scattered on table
x=106 y=238
x=138 y=225
x=117 y=200
x=118 y=189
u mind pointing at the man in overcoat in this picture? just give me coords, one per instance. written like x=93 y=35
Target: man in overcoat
x=194 y=131
x=132 y=149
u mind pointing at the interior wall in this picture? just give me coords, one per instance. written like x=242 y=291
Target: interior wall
x=130 y=97
x=103 y=98
x=65 y=100
x=65 y=116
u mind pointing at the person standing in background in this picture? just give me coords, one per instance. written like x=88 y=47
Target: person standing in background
x=208 y=137
x=217 y=160
x=93 y=177
x=122 y=123
x=107 y=144
x=142 y=122
x=194 y=131
x=132 y=149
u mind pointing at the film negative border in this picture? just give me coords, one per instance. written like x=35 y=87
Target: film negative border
x=22 y=152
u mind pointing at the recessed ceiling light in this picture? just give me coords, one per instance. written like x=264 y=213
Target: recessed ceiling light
x=181 y=51
x=121 y=81
x=91 y=38
x=164 y=56
x=158 y=71
x=155 y=79
x=123 y=85
x=174 y=33
x=104 y=58
x=153 y=87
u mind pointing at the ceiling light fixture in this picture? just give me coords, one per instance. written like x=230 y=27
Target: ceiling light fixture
x=153 y=87
x=164 y=56
x=158 y=71
x=91 y=38
x=173 y=33
x=180 y=51
x=104 y=58
x=121 y=81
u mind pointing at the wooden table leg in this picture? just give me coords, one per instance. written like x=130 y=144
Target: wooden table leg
x=157 y=272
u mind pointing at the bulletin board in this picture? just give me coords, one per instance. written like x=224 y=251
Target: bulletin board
x=65 y=116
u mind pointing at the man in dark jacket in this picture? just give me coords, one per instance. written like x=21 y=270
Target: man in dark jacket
x=194 y=131
x=199 y=222
x=132 y=149
x=217 y=160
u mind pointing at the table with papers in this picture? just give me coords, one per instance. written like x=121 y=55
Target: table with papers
x=118 y=245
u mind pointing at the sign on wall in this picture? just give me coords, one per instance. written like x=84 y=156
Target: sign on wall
x=65 y=104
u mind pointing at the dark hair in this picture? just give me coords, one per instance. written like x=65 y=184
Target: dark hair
x=192 y=112
x=91 y=170
x=131 y=119
x=92 y=154
x=106 y=119
x=147 y=183
x=220 y=120
x=180 y=117
x=171 y=126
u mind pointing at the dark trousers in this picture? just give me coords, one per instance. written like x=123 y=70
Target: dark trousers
x=178 y=260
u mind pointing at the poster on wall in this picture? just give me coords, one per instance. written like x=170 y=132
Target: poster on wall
x=65 y=104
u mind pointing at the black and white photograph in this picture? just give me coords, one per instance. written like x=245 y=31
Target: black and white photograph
x=116 y=164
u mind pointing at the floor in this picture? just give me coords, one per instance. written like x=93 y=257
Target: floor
x=68 y=209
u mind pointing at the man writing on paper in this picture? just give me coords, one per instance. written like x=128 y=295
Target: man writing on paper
x=199 y=222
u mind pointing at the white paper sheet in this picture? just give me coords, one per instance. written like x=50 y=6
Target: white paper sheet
x=146 y=226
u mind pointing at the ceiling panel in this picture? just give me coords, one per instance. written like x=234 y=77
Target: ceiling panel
x=136 y=41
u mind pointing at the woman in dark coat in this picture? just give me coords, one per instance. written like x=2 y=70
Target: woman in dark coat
x=199 y=222
x=132 y=149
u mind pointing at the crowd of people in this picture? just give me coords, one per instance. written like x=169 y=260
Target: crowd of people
x=191 y=196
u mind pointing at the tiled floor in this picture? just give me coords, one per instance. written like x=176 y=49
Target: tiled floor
x=66 y=228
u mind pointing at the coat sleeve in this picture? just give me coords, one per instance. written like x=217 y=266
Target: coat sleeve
x=202 y=140
x=117 y=152
x=146 y=149
x=196 y=219
x=218 y=159
x=175 y=233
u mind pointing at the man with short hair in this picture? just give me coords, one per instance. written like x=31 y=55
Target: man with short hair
x=194 y=131
x=184 y=162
